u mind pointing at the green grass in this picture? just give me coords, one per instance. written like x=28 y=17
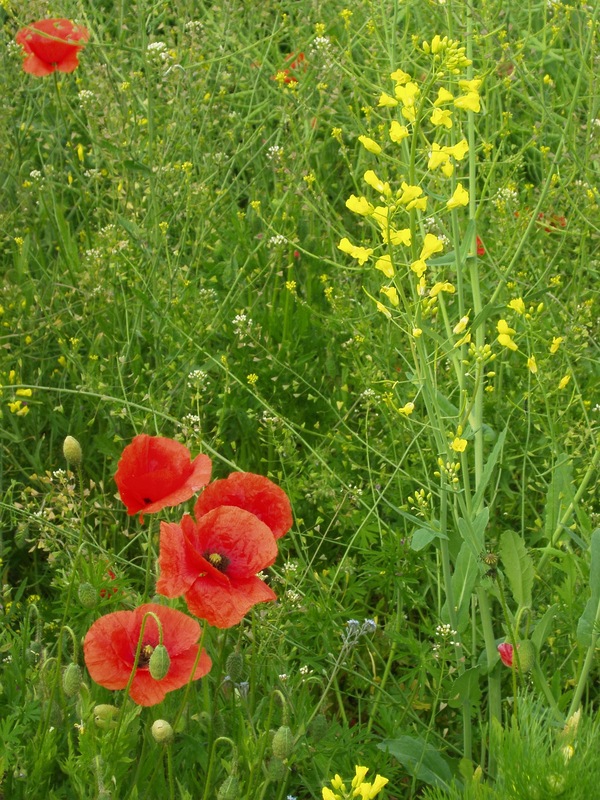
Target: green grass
x=169 y=245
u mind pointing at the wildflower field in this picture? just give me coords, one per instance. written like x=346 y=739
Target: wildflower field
x=299 y=400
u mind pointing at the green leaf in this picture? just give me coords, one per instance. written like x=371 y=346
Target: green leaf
x=420 y=759
x=464 y=579
x=422 y=536
x=466 y=688
x=542 y=628
x=518 y=567
x=559 y=495
x=587 y=621
x=473 y=531
x=489 y=468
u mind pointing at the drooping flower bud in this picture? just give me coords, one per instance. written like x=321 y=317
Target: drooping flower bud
x=276 y=770
x=162 y=731
x=104 y=716
x=87 y=594
x=283 y=742
x=229 y=789
x=72 y=451
x=72 y=680
x=234 y=666
x=159 y=663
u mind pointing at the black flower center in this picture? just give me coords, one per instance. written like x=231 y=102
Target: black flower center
x=217 y=560
x=145 y=654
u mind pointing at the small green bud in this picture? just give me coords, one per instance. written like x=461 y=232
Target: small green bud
x=162 y=731
x=525 y=658
x=229 y=789
x=234 y=666
x=283 y=742
x=72 y=680
x=72 y=451
x=87 y=594
x=276 y=770
x=104 y=716
x=159 y=663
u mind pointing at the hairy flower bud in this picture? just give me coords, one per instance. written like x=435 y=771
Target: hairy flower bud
x=276 y=770
x=162 y=731
x=72 y=451
x=159 y=663
x=234 y=666
x=87 y=594
x=318 y=727
x=71 y=680
x=104 y=716
x=283 y=742
x=229 y=789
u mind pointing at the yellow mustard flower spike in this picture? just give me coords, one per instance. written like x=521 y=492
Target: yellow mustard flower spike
x=359 y=205
x=461 y=325
x=386 y=101
x=419 y=267
x=506 y=341
x=407 y=409
x=383 y=309
x=398 y=132
x=457 y=151
x=437 y=157
x=561 y=385
x=392 y=295
x=556 y=342
x=503 y=328
x=459 y=198
x=470 y=86
x=400 y=77
x=532 y=365
x=384 y=264
x=370 y=145
x=468 y=102
x=444 y=96
x=403 y=236
x=360 y=775
x=431 y=245
x=370 y=177
x=448 y=169
x=441 y=117
x=329 y=795
x=517 y=305
x=458 y=444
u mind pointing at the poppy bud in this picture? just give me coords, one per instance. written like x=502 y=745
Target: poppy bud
x=87 y=594
x=229 y=789
x=525 y=657
x=234 y=666
x=318 y=727
x=162 y=731
x=72 y=451
x=104 y=716
x=276 y=770
x=72 y=680
x=283 y=742
x=159 y=662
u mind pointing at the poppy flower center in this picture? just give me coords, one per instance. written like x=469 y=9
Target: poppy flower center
x=217 y=561
x=145 y=654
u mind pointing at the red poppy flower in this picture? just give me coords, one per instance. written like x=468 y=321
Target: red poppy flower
x=253 y=493
x=50 y=45
x=213 y=563
x=111 y=643
x=155 y=472
x=296 y=62
x=480 y=247
x=506 y=653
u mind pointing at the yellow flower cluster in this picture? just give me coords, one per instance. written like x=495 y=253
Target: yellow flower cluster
x=359 y=787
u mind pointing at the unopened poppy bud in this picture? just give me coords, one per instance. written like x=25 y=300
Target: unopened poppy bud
x=276 y=770
x=72 y=451
x=87 y=594
x=525 y=657
x=72 y=680
x=159 y=663
x=104 y=716
x=283 y=742
x=318 y=727
x=229 y=789
x=234 y=666
x=162 y=731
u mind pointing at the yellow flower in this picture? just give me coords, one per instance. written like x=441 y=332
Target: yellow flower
x=458 y=444
x=416 y=332
x=470 y=86
x=400 y=77
x=359 y=205
x=23 y=392
x=407 y=93
x=517 y=305
x=361 y=254
x=372 y=180
x=532 y=365
x=564 y=381
x=448 y=169
x=398 y=132
x=441 y=287
x=370 y=145
x=437 y=157
x=463 y=340
x=386 y=101
x=411 y=196
x=360 y=775
x=419 y=267
x=383 y=309
x=457 y=151
x=329 y=795
x=391 y=294
x=431 y=245
x=503 y=328
x=444 y=96
x=468 y=102
x=461 y=325
x=407 y=409
x=439 y=117
x=506 y=341
x=338 y=783
x=459 y=198
x=409 y=113
x=385 y=265
x=403 y=236
x=556 y=341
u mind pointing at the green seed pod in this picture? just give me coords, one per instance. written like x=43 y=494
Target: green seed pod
x=159 y=663
x=525 y=658
x=276 y=770
x=72 y=679
x=104 y=716
x=318 y=728
x=229 y=789
x=283 y=742
x=234 y=666
x=87 y=594
x=162 y=731
x=72 y=451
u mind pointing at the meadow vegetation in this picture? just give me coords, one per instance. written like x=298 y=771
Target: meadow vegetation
x=353 y=248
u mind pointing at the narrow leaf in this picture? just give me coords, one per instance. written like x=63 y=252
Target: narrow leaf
x=518 y=567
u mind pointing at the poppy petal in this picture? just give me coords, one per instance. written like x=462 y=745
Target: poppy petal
x=226 y=605
x=253 y=493
x=240 y=536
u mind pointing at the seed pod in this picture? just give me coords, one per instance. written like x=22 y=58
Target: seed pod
x=159 y=663
x=72 y=451
x=72 y=680
x=283 y=742
x=234 y=666
x=162 y=731
x=104 y=716
x=229 y=789
x=87 y=594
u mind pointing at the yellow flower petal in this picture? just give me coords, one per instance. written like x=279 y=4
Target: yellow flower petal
x=458 y=444
x=506 y=341
x=431 y=245
x=562 y=383
x=384 y=264
x=443 y=96
x=457 y=151
x=556 y=341
x=359 y=205
x=386 y=101
x=370 y=145
x=398 y=132
x=406 y=409
x=532 y=365
x=392 y=295
x=419 y=267
x=400 y=77
x=459 y=198
x=372 y=180
x=437 y=157
x=517 y=305
x=403 y=236
x=502 y=327
x=461 y=325
x=441 y=117
x=468 y=102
